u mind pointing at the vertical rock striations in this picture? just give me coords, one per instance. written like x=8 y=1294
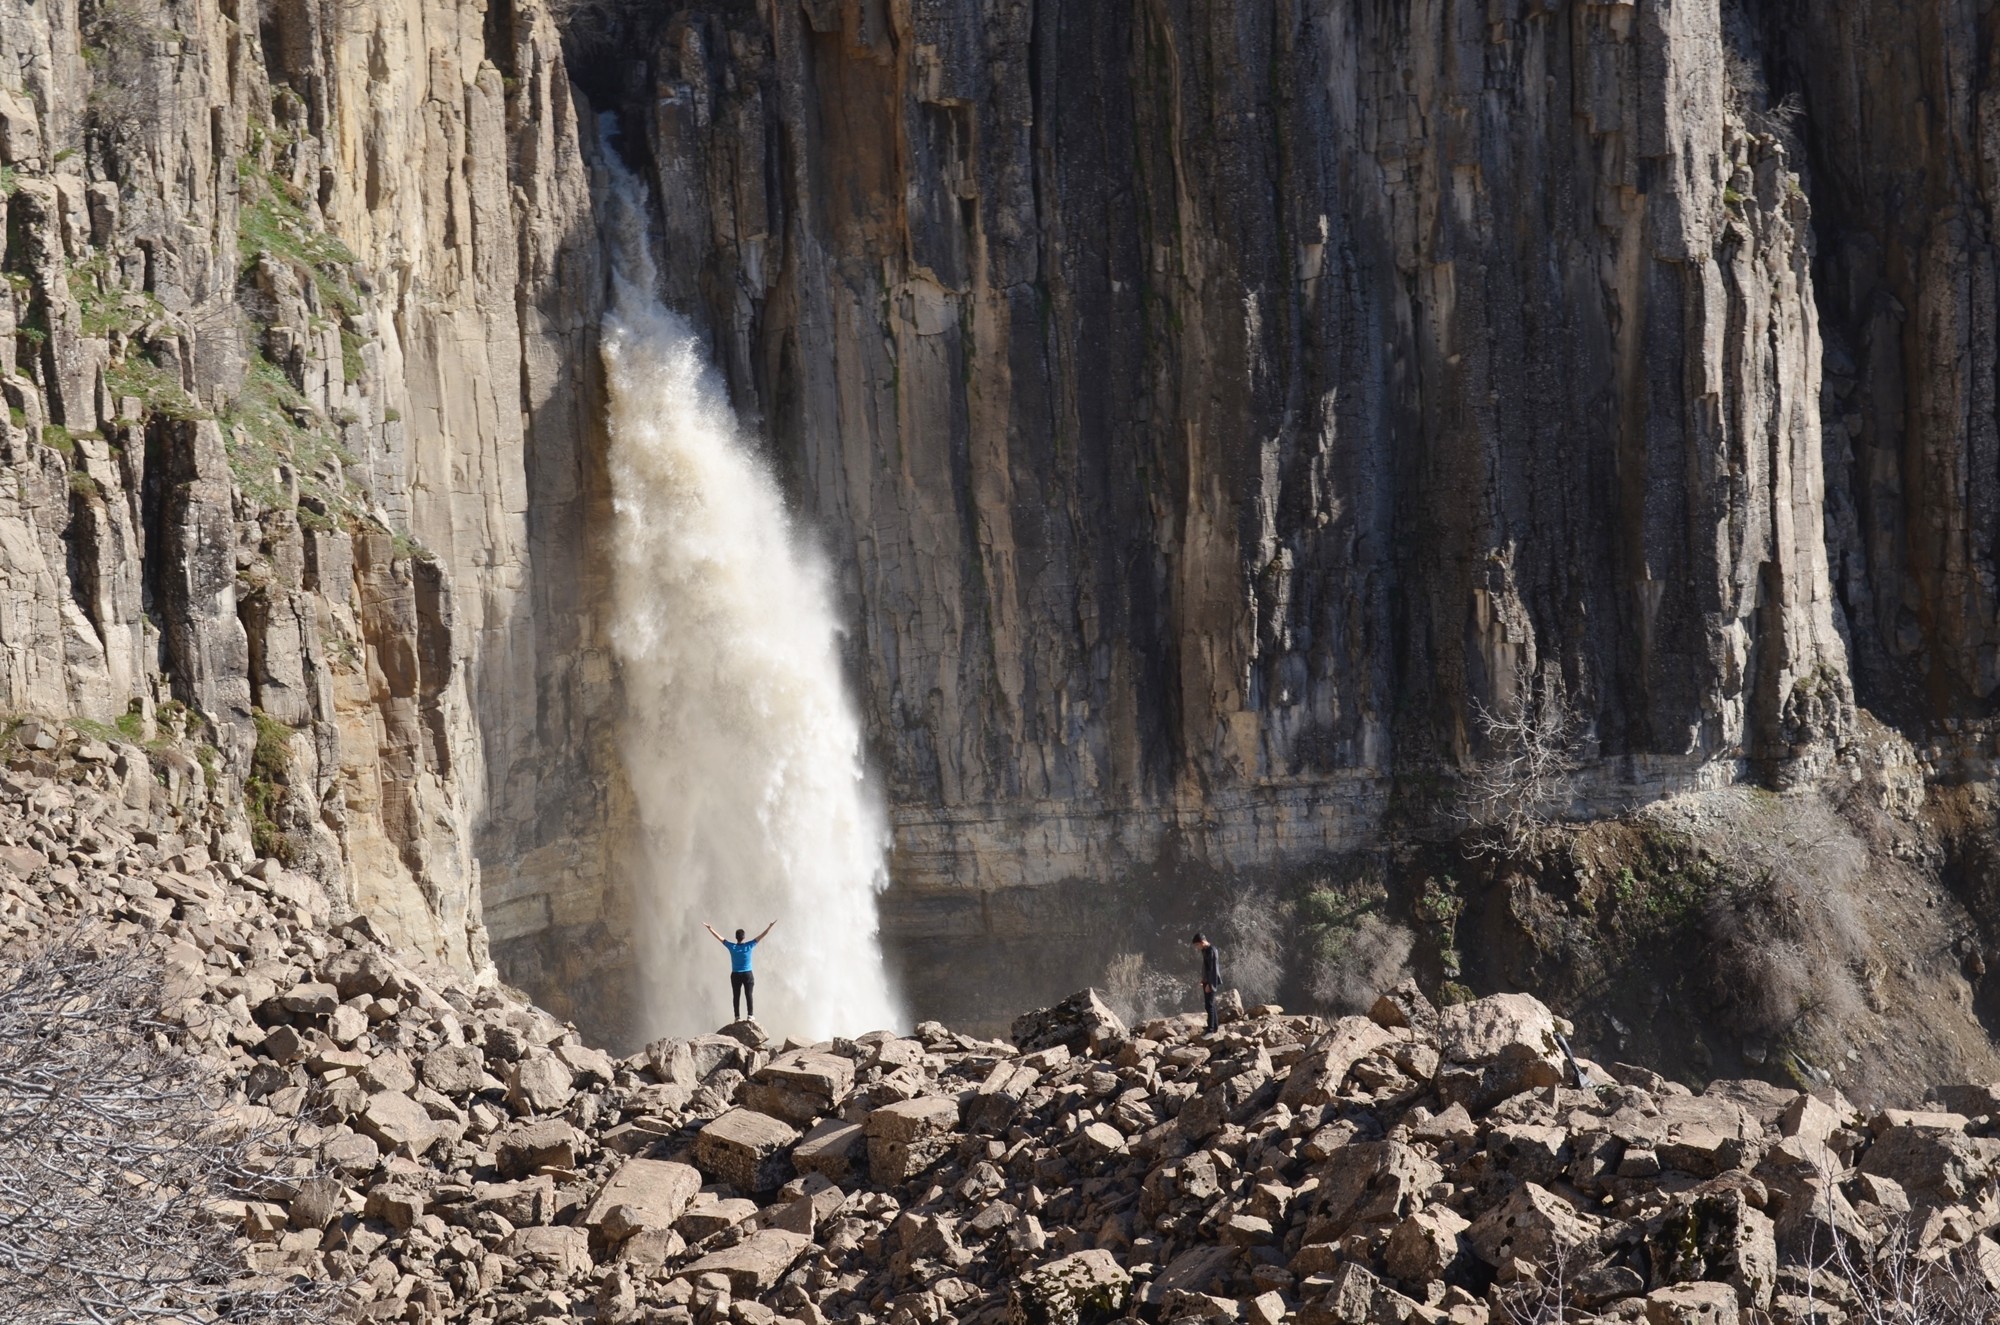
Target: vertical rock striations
x=296 y=343
x=1213 y=409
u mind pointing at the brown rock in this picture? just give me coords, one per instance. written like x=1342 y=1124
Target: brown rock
x=835 y=1149
x=397 y=1122
x=539 y=1083
x=642 y=1194
x=1424 y=1245
x=522 y=1147
x=1533 y=1224
x=454 y=1069
x=907 y=1137
x=753 y=1265
x=745 y=1149
x=565 y=1250
x=1085 y=1287
x=1316 y=1077
x=1692 y=1304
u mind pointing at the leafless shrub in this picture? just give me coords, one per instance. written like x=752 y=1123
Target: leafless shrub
x=1746 y=98
x=1256 y=934
x=1537 y=1295
x=1139 y=991
x=1374 y=956
x=1786 y=936
x=1514 y=797
x=1906 y=1283
x=117 y=1159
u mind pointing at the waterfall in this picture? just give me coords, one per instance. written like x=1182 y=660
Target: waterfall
x=743 y=750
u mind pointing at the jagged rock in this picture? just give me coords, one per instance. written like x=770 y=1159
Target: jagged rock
x=993 y=1106
x=710 y=1214
x=397 y=1122
x=528 y=1201
x=753 y=1265
x=1317 y=1076
x=1930 y=1156
x=801 y=1086
x=1534 y=1225
x=1497 y=1047
x=1692 y=1304
x=564 y=1250
x=1718 y=1236
x=1082 y=1289
x=1425 y=1244
x=539 y=1083
x=521 y=1148
x=1080 y=1023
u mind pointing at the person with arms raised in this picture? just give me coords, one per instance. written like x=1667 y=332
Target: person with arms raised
x=742 y=984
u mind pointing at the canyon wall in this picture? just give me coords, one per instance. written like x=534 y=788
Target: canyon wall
x=1216 y=416
x=1215 y=411
x=297 y=340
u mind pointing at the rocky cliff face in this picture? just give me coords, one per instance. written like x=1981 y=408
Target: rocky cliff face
x=295 y=345
x=1216 y=410
x=1217 y=415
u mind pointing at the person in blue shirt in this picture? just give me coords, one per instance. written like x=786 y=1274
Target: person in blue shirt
x=742 y=984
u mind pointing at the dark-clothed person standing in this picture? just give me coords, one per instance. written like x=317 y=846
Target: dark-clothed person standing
x=742 y=983
x=1211 y=976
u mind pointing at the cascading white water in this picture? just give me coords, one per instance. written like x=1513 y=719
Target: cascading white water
x=742 y=748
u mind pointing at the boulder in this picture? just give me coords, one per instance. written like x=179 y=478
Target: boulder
x=745 y=1149
x=1082 y=1289
x=539 y=1083
x=566 y=1250
x=1424 y=1245
x=454 y=1069
x=1692 y=1304
x=710 y=1214
x=523 y=1147
x=1080 y=1023
x=836 y=1150
x=907 y=1137
x=1930 y=1155
x=1370 y=1181
x=800 y=1086
x=1533 y=1224
x=528 y=1201
x=1317 y=1076
x=1495 y=1048
x=642 y=1194
x=1719 y=1236
x=396 y=1122
x=355 y=971
x=754 y=1265
x=991 y=1109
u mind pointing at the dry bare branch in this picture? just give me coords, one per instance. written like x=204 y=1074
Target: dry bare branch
x=119 y=1163
x=1514 y=796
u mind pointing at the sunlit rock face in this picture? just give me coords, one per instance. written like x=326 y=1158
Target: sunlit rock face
x=1208 y=414
x=1211 y=411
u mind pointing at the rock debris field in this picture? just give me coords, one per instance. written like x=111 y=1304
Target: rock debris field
x=465 y=1157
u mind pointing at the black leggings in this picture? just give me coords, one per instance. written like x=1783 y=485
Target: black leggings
x=743 y=991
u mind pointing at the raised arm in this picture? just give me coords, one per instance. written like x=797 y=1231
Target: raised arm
x=767 y=929
x=712 y=934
